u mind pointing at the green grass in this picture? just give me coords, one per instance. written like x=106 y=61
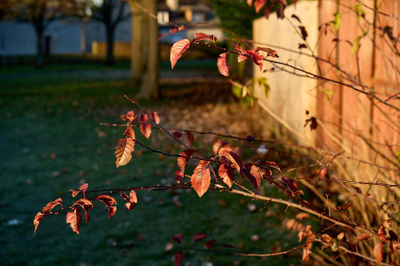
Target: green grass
x=51 y=141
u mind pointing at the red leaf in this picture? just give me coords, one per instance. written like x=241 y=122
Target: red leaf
x=178 y=258
x=223 y=65
x=209 y=244
x=177 y=50
x=254 y=174
x=178 y=238
x=201 y=178
x=270 y=52
x=143 y=118
x=82 y=189
x=38 y=218
x=110 y=202
x=267 y=12
x=291 y=184
x=86 y=206
x=154 y=116
x=234 y=159
x=178 y=176
x=123 y=151
x=198 y=237
x=190 y=138
x=177 y=134
x=145 y=129
x=182 y=161
x=74 y=218
x=378 y=252
x=255 y=57
x=241 y=58
x=226 y=174
x=131 y=201
x=49 y=206
x=201 y=36
x=382 y=234
x=259 y=4
x=217 y=146
x=129 y=116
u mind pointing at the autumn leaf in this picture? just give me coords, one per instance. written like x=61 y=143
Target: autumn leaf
x=303 y=32
x=129 y=116
x=382 y=234
x=198 y=237
x=209 y=244
x=291 y=184
x=269 y=51
x=38 y=218
x=201 y=178
x=189 y=138
x=154 y=116
x=82 y=189
x=177 y=50
x=254 y=174
x=255 y=57
x=178 y=175
x=178 y=238
x=226 y=174
x=362 y=237
x=110 y=202
x=217 y=146
x=378 y=253
x=178 y=258
x=49 y=206
x=129 y=132
x=86 y=206
x=145 y=129
x=259 y=4
x=182 y=161
x=74 y=218
x=123 y=151
x=201 y=36
x=131 y=201
x=223 y=65
x=306 y=254
x=233 y=158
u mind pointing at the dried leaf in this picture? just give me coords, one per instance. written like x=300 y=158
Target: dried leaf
x=145 y=129
x=198 y=237
x=255 y=57
x=82 y=189
x=254 y=174
x=131 y=201
x=306 y=254
x=362 y=237
x=38 y=218
x=86 y=206
x=189 y=138
x=340 y=236
x=303 y=32
x=201 y=36
x=226 y=174
x=269 y=51
x=178 y=175
x=49 y=206
x=129 y=132
x=182 y=161
x=201 y=178
x=233 y=158
x=178 y=238
x=223 y=65
x=177 y=134
x=218 y=145
x=123 y=151
x=178 y=258
x=378 y=253
x=74 y=218
x=382 y=234
x=302 y=215
x=177 y=50
x=326 y=238
x=154 y=116
x=291 y=184
x=110 y=202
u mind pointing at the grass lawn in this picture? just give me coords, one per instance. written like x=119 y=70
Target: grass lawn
x=51 y=141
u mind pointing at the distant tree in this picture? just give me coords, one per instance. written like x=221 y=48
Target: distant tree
x=39 y=13
x=110 y=13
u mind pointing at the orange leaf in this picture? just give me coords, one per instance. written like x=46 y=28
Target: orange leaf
x=82 y=189
x=86 y=206
x=131 y=201
x=223 y=65
x=182 y=161
x=177 y=50
x=382 y=234
x=259 y=4
x=49 y=206
x=110 y=202
x=145 y=129
x=217 y=146
x=378 y=252
x=178 y=176
x=306 y=254
x=74 y=218
x=226 y=174
x=123 y=151
x=362 y=237
x=129 y=132
x=154 y=116
x=201 y=178
x=38 y=218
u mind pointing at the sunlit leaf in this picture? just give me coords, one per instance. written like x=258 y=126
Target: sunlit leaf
x=177 y=50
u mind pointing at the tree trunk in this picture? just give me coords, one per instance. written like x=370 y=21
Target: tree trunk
x=145 y=50
x=39 y=47
x=110 y=46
